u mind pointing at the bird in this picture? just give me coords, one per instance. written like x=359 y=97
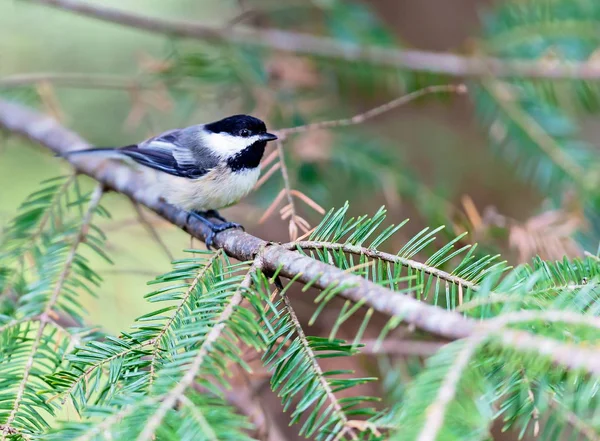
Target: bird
x=201 y=168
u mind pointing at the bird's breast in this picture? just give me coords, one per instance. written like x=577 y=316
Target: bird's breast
x=217 y=189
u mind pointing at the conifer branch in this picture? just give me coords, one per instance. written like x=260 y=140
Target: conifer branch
x=90 y=370
x=570 y=356
x=574 y=420
x=44 y=317
x=242 y=246
x=337 y=407
x=542 y=139
x=174 y=395
x=436 y=412
x=207 y=430
x=275 y=39
x=375 y=254
x=156 y=341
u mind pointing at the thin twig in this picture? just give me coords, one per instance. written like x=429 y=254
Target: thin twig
x=151 y=230
x=293 y=228
x=174 y=395
x=265 y=177
x=372 y=113
x=86 y=80
x=401 y=347
x=435 y=62
x=44 y=317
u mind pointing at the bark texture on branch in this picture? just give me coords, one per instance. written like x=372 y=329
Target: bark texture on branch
x=435 y=62
x=113 y=175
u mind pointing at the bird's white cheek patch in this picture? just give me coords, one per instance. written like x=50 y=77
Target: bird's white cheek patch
x=226 y=145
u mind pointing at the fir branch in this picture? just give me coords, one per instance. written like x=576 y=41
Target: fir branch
x=85 y=224
x=175 y=394
x=235 y=243
x=434 y=62
x=156 y=341
x=380 y=255
x=493 y=298
x=6 y=427
x=337 y=407
x=105 y=425
x=93 y=366
x=44 y=318
x=436 y=412
x=504 y=98
x=207 y=430
x=574 y=420
x=570 y=356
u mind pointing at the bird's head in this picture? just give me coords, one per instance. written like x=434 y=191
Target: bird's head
x=231 y=135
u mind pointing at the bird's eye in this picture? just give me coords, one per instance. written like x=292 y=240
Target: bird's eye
x=245 y=133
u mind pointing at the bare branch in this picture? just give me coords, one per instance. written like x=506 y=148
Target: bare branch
x=435 y=62
x=88 y=81
x=372 y=113
x=151 y=230
x=401 y=347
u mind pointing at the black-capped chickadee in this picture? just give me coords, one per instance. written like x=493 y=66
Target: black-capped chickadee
x=201 y=168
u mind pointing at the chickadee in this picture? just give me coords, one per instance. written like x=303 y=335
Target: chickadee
x=202 y=168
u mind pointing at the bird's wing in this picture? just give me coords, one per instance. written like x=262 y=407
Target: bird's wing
x=168 y=154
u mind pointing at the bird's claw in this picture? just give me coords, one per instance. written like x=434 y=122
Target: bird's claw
x=217 y=228
x=214 y=228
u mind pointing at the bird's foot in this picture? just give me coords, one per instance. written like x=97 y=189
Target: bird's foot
x=214 y=214
x=203 y=216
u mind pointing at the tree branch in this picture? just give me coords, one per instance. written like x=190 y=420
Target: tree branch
x=434 y=62
x=242 y=246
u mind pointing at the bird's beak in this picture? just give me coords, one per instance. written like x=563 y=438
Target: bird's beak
x=268 y=137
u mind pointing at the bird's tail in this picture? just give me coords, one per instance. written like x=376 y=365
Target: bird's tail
x=105 y=152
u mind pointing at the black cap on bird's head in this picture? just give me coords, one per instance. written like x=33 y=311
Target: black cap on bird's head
x=244 y=126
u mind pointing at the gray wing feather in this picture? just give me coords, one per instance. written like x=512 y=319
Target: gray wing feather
x=173 y=152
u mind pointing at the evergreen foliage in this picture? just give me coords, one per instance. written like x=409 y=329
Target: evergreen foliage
x=165 y=377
